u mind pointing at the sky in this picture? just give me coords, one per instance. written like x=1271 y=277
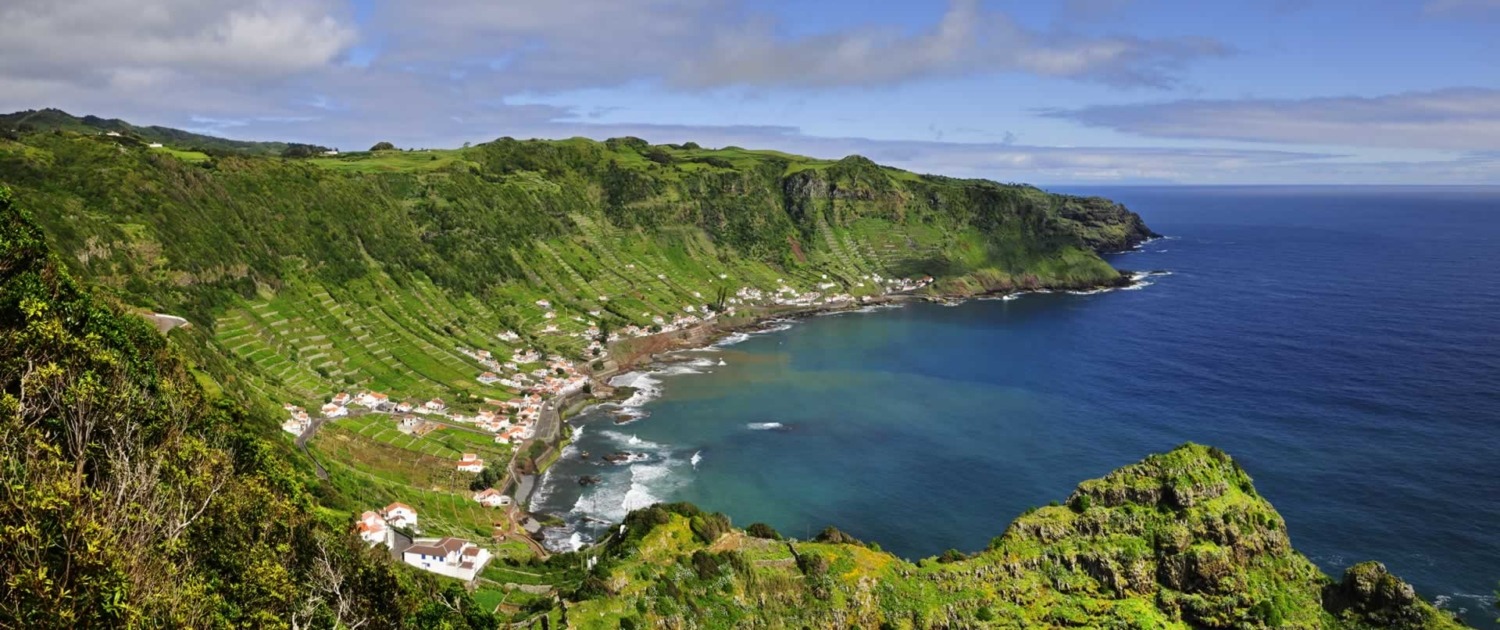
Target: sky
x=1063 y=92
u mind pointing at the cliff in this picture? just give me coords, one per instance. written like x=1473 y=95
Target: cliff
x=133 y=497
x=1179 y=540
x=276 y=260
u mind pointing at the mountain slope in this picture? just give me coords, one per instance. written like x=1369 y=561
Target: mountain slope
x=30 y=121
x=371 y=269
x=129 y=498
x=1179 y=540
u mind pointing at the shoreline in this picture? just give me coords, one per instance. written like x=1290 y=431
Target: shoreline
x=708 y=334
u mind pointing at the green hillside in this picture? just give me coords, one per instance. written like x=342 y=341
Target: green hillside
x=133 y=497
x=1179 y=540
x=186 y=143
x=373 y=270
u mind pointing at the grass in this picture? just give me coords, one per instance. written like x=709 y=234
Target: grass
x=428 y=160
x=191 y=157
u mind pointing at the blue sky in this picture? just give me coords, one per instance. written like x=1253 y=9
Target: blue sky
x=1066 y=92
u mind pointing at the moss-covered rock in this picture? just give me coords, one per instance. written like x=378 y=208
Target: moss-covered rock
x=1178 y=540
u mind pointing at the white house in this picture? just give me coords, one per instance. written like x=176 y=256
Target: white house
x=544 y=303
x=470 y=463
x=492 y=498
x=435 y=405
x=408 y=424
x=331 y=410
x=372 y=529
x=341 y=398
x=154 y=145
x=453 y=557
x=400 y=515
x=489 y=378
x=372 y=399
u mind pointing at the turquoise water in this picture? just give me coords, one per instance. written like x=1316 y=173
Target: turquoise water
x=1341 y=343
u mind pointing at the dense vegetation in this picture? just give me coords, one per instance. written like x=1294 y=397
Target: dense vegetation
x=146 y=484
x=1180 y=540
x=128 y=498
x=368 y=269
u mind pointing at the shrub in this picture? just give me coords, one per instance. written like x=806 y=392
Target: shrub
x=812 y=564
x=836 y=536
x=951 y=555
x=762 y=530
x=383 y=146
x=709 y=527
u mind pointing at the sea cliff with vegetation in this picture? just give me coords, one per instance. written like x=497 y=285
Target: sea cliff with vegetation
x=146 y=482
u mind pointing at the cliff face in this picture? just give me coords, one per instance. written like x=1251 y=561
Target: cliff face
x=1180 y=539
x=280 y=261
x=1104 y=225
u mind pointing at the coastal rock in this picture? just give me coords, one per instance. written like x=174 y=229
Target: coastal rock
x=1180 y=539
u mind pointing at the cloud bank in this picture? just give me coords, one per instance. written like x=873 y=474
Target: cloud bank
x=1466 y=119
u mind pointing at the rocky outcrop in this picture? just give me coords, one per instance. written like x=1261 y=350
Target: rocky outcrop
x=1370 y=595
x=1180 y=539
x=1104 y=225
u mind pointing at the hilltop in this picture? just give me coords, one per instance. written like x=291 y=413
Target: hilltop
x=133 y=496
x=1178 y=540
x=31 y=121
x=372 y=269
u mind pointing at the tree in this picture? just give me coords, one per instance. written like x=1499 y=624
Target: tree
x=383 y=146
x=295 y=150
x=762 y=530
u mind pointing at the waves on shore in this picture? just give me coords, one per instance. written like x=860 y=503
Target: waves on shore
x=652 y=472
x=647 y=476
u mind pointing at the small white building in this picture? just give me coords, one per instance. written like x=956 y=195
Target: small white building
x=470 y=463
x=332 y=410
x=154 y=145
x=409 y=424
x=399 y=515
x=372 y=399
x=492 y=498
x=489 y=378
x=435 y=405
x=453 y=557
x=372 y=529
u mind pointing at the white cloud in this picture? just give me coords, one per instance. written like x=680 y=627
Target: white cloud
x=725 y=43
x=140 y=42
x=1461 y=119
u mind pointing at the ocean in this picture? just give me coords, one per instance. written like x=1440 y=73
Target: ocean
x=1343 y=344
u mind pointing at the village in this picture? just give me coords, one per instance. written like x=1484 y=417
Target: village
x=534 y=380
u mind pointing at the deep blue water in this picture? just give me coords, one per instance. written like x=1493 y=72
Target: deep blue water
x=1342 y=344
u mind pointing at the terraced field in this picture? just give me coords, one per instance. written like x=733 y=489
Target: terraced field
x=308 y=341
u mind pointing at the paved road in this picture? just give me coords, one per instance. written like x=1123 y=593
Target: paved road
x=302 y=445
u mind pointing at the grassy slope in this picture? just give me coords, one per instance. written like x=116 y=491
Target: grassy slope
x=1180 y=540
x=369 y=269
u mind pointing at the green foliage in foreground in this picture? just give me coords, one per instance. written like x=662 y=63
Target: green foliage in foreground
x=1180 y=540
x=129 y=499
